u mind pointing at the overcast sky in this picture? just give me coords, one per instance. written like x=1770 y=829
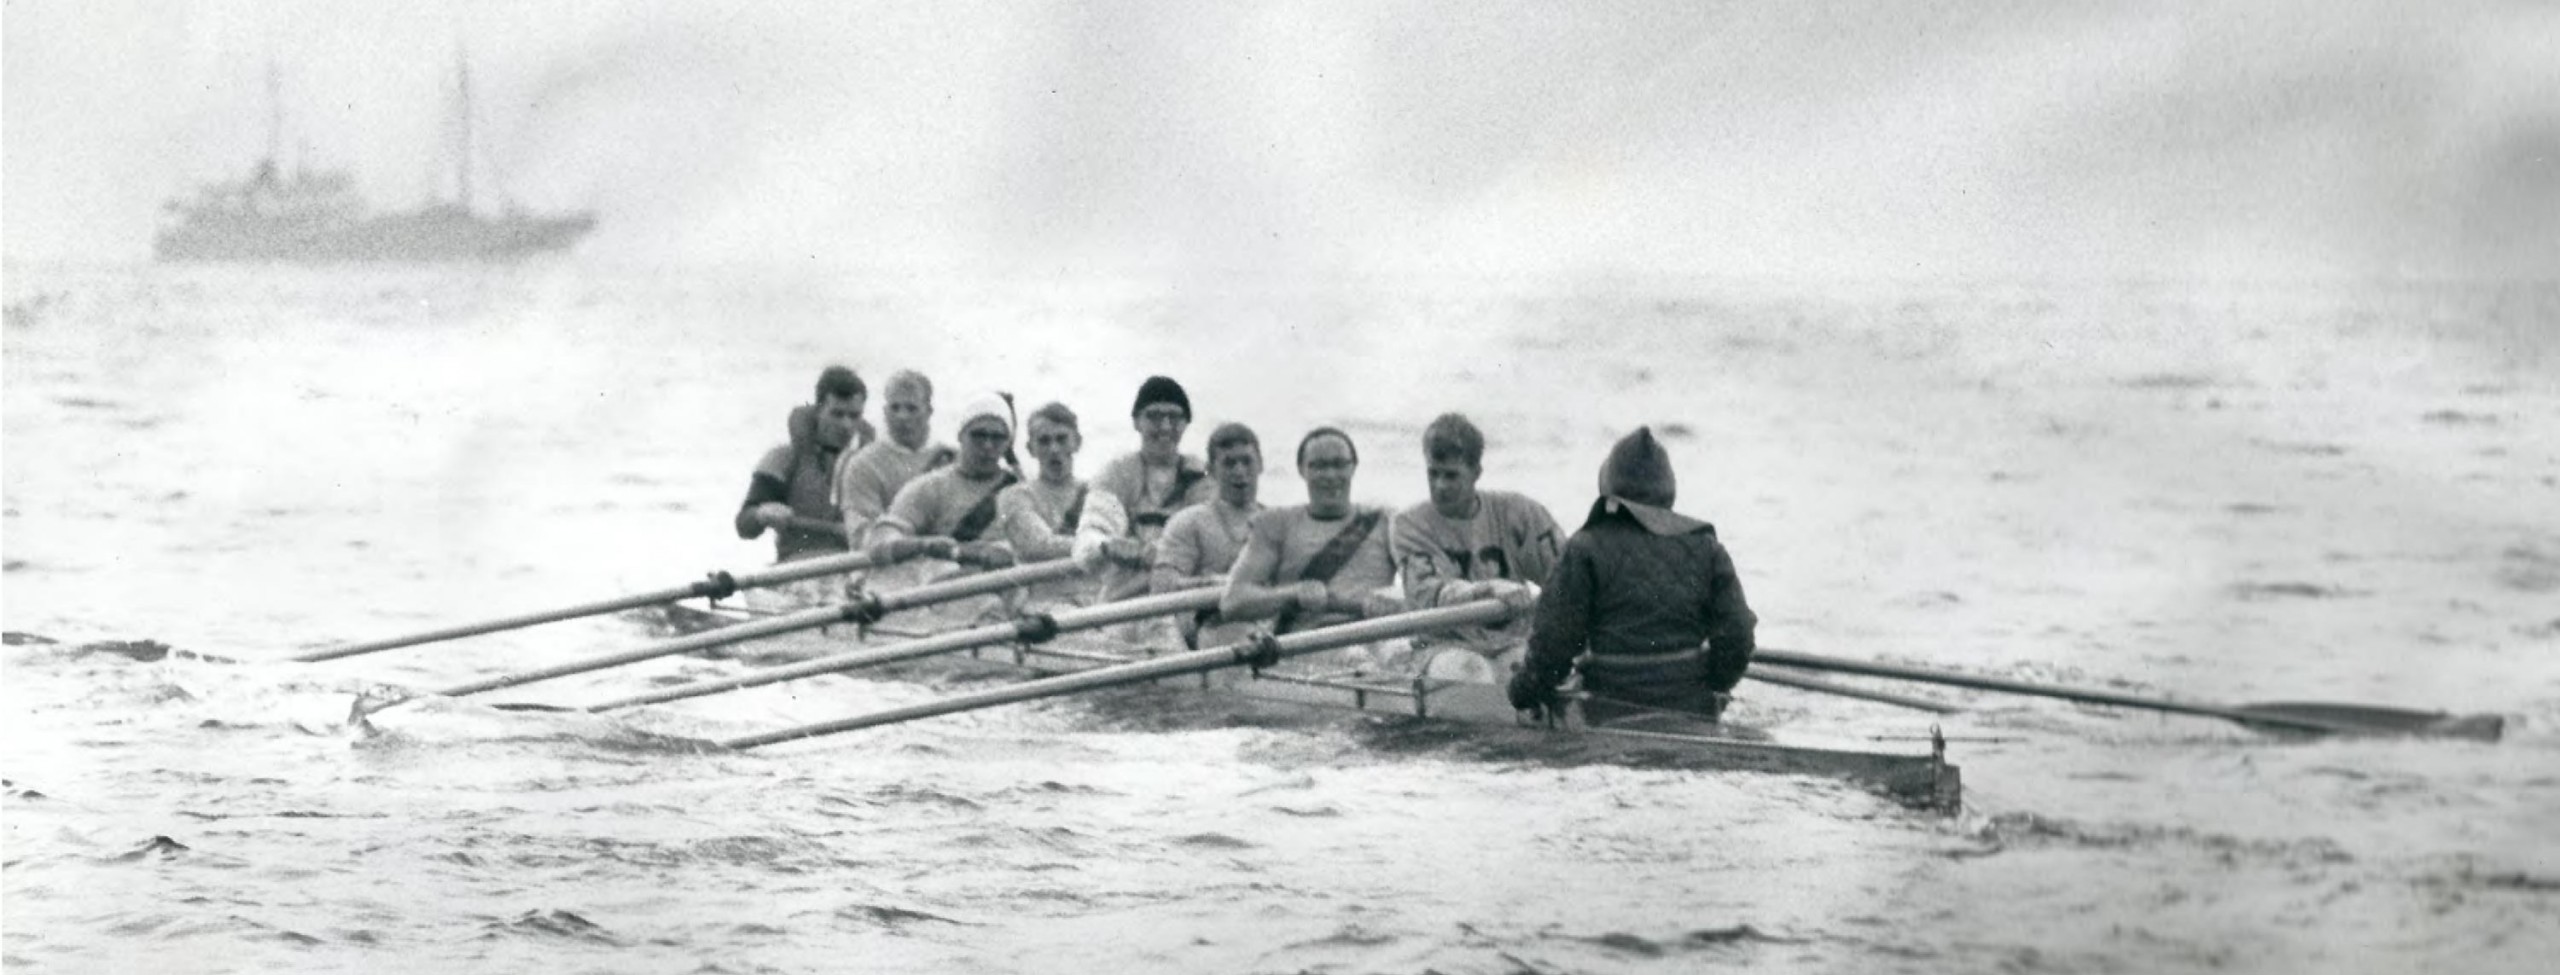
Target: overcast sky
x=2315 y=137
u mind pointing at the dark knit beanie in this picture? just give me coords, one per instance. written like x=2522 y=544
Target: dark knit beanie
x=1639 y=470
x=1158 y=389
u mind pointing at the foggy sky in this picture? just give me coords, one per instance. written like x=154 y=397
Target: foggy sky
x=2220 y=139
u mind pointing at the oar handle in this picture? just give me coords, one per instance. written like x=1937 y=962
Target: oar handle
x=1485 y=612
x=1034 y=628
x=717 y=585
x=796 y=570
x=824 y=526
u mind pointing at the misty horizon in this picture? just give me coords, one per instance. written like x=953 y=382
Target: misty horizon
x=1748 y=139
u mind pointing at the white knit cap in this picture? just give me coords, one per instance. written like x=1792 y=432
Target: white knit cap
x=988 y=405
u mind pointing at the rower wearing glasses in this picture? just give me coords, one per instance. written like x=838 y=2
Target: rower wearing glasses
x=1135 y=495
x=950 y=512
x=1319 y=563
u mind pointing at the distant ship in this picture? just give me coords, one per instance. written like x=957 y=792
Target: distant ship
x=317 y=217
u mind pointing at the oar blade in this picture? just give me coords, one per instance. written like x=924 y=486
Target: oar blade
x=2371 y=719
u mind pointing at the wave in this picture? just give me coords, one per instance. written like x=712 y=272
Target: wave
x=551 y=925
x=2531 y=566
x=2008 y=831
x=467 y=726
x=1689 y=941
x=893 y=918
x=155 y=848
x=2258 y=592
x=139 y=651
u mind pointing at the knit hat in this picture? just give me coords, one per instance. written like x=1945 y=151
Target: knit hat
x=1158 y=389
x=989 y=405
x=1639 y=470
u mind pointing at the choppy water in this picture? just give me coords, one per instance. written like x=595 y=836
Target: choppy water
x=2229 y=492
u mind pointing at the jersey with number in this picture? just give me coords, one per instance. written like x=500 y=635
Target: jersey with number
x=1446 y=561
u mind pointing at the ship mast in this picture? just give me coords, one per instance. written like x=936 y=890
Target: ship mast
x=462 y=165
x=275 y=114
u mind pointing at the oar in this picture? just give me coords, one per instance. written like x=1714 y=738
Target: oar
x=872 y=607
x=2348 y=719
x=720 y=585
x=1027 y=629
x=1784 y=678
x=1261 y=651
x=823 y=526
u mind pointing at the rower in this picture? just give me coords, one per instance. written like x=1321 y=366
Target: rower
x=868 y=480
x=1319 y=563
x=792 y=488
x=1466 y=544
x=1651 y=596
x=950 y=512
x=1202 y=541
x=1137 y=494
x=1037 y=518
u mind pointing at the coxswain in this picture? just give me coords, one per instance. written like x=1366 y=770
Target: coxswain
x=1650 y=596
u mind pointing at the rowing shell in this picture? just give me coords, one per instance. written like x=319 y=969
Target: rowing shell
x=1478 y=712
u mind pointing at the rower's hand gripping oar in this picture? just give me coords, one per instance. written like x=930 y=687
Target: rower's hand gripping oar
x=1263 y=650
x=719 y=585
x=2348 y=719
x=869 y=608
